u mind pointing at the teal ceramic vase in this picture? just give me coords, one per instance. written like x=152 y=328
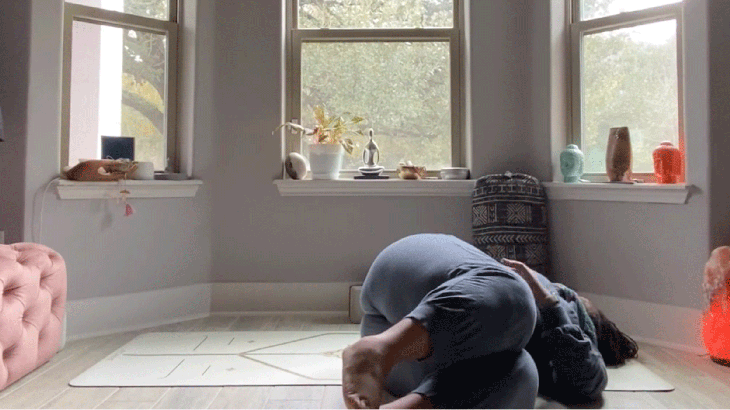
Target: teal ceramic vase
x=572 y=161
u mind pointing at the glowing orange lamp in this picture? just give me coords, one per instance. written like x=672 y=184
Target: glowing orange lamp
x=716 y=320
x=667 y=163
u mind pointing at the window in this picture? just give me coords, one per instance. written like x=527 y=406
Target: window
x=627 y=66
x=396 y=63
x=120 y=70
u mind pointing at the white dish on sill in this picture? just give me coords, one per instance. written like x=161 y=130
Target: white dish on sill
x=454 y=173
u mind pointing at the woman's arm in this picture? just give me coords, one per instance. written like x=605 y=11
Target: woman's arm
x=570 y=365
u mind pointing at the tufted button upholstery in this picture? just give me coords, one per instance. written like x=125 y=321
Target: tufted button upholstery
x=33 y=281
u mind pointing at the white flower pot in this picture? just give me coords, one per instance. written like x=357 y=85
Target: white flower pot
x=325 y=160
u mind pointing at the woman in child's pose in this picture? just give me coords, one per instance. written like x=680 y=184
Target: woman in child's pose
x=447 y=326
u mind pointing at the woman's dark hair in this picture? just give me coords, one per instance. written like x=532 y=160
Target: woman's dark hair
x=614 y=345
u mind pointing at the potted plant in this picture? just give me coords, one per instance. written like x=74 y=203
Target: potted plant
x=329 y=141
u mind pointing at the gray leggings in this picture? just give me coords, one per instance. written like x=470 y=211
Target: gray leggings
x=479 y=315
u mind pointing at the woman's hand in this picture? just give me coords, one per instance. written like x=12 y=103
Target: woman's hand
x=543 y=298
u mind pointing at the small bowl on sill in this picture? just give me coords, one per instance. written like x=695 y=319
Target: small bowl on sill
x=454 y=173
x=411 y=172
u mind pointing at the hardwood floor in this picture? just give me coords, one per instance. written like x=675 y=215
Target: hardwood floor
x=699 y=382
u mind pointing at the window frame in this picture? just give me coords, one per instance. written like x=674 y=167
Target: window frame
x=77 y=12
x=578 y=28
x=455 y=36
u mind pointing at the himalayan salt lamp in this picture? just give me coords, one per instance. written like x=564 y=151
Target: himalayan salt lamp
x=667 y=163
x=716 y=320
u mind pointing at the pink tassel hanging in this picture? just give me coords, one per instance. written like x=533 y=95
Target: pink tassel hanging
x=128 y=210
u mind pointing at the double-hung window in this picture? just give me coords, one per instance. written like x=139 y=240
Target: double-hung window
x=626 y=71
x=119 y=78
x=397 y=63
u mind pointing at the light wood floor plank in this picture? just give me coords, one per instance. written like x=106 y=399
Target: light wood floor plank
x=214 y=323
x=295 y=397
x=327 y=321
x=126 y=405
x=630 y=400
x=292 y=404
x=305 y=393
x=332 y=398
x=241 y=397
x=254 y=322
x=174 y=327
x=134 y=398
x=188 y=398
x=289 y=322
x=80 y=398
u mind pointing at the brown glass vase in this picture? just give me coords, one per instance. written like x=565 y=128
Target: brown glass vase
x=618 y=155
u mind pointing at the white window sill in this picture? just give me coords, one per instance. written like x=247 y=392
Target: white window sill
x=646 y=193
x=387 y=187
x=137 y=189
x=556 y=191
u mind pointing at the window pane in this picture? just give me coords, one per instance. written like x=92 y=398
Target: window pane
x=376 y=13
x=157 y=9
x=402 y=89
x=118 y=80
x=630 y=79
x=592 y=9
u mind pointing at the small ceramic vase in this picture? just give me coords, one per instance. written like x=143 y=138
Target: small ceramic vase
x=667 y=163
x=572 y=161
x=618 y=155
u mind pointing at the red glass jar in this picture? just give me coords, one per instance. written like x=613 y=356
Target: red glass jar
x=667 y=163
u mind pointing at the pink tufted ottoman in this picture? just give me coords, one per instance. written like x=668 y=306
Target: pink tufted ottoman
x=33 y=280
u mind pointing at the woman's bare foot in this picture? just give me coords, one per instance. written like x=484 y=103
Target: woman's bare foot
x=363 y=373
x=367 y=362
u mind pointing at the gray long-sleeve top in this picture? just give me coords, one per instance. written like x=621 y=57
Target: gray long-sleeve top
x=565 y=350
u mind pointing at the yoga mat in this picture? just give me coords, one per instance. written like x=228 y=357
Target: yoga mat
x=634 y=376
x=262 y=358
x=253 y=358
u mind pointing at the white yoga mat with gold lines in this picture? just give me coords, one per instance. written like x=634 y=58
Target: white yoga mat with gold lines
x=261 y=358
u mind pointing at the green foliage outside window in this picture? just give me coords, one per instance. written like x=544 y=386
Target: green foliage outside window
x=143 y=84
x=402 y=88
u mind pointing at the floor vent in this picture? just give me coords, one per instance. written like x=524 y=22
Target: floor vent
x=355 y=311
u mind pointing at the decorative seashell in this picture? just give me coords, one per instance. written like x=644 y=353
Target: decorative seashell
x=296 y=165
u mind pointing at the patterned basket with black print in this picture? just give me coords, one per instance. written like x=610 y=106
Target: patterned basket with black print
x=509 y=219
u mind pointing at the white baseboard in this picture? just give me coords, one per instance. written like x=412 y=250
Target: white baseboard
x=653 y=323
x=280 y=297
x=108 y=315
